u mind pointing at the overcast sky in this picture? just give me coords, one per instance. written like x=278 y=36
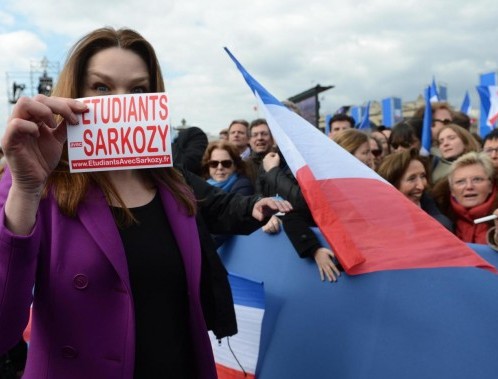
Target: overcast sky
x=368 y=50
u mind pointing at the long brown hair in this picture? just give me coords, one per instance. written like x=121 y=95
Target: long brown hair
x=350 y=139
x=394 y=166
x=70 y=189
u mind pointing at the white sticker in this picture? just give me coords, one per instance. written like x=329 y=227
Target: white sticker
x=121 y=132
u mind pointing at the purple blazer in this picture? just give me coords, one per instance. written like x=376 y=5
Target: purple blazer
x=83 y=317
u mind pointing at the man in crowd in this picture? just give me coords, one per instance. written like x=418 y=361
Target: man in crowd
x=272 y=174
x=490 y=147
x=224 y=134
x=238 y=135
x=260 y=138
x=340 y=122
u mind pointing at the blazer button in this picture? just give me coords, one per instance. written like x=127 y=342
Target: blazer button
x=80 y=281
x=69 y=352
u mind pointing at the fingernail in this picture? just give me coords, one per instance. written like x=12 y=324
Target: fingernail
x=73 y=120
x=81 y=105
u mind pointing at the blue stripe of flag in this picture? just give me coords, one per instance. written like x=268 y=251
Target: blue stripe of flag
x=266 y=96
x=247 y=292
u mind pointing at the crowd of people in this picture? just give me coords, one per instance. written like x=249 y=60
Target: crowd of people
x=455 y=184
x=120 y=268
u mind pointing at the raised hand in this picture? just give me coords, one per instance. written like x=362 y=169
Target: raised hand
x=270 y=161
x=32 y=144
x=33 y=140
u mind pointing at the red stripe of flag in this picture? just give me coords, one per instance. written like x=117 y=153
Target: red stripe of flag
x=353 y=218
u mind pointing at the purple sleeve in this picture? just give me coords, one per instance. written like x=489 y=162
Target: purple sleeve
x=18 y=257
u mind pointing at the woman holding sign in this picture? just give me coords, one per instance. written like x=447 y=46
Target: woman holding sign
x=114 y=256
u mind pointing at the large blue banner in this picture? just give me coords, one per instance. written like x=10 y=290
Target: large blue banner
x=411 y=324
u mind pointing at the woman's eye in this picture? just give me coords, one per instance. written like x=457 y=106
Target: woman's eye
x=101 y=88
x=138 y=90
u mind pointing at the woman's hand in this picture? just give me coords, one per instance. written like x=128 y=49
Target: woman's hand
x=326 y=267
x=33 y=142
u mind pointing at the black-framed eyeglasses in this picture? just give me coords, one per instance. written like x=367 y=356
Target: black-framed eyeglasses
x=225 y=163
x=446 y=121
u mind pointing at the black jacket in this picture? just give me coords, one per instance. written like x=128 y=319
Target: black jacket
x=297 y=225
x=278 y=181
x=219 y=212
x=188 y=149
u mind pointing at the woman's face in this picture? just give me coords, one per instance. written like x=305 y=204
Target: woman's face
x=450 y=144
x=218 y=160
x=364 y=154
x=470 y=186
x=115 y=71
x=414 y=181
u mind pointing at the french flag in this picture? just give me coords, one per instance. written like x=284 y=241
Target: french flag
x=368 y=223
x=466 y=107
x=426 y=142
x=433 y=93
x=489 y=100
x=365 y=122
x=237 y=356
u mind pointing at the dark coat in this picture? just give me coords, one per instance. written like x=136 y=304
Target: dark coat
x=188 y=149
x=278 y=181
x=219 y=212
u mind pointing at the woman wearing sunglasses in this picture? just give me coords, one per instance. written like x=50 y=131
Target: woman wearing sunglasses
x=223 y=167
x=405 y=136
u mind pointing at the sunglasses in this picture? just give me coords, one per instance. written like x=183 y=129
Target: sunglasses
x=226 y=163
x=376 y=152
x=403 y=144
x=444 y=122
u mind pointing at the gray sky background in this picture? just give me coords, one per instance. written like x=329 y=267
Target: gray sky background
x=368 y=50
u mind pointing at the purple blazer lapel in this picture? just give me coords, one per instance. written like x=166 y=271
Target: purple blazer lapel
x=97 y=218
x=184 y=228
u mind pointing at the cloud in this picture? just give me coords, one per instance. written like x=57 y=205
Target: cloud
x=21 y=47
x=368 y=49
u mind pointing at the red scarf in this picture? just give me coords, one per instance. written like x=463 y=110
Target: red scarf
x=466 y=230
